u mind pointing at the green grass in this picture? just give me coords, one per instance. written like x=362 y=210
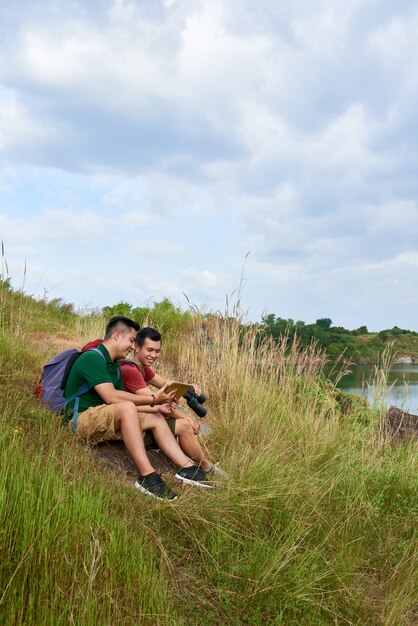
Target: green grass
x=63 y=543
x=315 y=525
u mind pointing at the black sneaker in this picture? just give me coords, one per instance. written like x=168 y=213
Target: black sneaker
x=193 y=476
x=153 y=485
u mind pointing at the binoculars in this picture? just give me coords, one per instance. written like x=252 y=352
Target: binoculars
x=195 y=402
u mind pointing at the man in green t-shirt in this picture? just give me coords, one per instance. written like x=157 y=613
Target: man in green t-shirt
x=109 y=412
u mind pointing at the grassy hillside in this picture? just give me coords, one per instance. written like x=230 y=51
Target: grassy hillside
x=369 y=347
x=315 y=525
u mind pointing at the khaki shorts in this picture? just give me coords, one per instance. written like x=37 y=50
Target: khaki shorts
x=97 y=424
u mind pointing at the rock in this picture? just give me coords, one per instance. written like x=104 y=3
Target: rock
x=400 y=424
x=115 y=456
x=404 y=359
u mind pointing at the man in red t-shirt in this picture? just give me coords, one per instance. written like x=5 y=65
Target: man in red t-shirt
x=137 y=372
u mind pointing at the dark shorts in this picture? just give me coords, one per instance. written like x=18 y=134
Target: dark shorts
x=149 y=441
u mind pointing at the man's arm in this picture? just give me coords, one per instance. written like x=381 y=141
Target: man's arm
x=159 y=381
x=168 y=409
x=175 y=413
x=110 y=395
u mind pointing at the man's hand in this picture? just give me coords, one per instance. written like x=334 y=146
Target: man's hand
x=167 y=409
x=161 y=397
x=195 y=425
x=197 y=389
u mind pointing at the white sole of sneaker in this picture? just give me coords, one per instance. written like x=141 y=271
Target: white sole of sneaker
x=196 y=483
x=142 y=489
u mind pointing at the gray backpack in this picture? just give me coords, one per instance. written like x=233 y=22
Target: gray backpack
x=50 y=388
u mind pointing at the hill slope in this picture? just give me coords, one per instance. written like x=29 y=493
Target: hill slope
x=315 y=525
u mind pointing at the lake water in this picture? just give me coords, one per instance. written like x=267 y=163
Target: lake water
x=402 y=385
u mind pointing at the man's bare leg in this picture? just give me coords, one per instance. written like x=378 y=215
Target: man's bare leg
x=126 y=420
x=189 y=443
x=165 y=439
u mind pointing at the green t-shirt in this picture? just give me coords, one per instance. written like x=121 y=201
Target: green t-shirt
x=91 y=368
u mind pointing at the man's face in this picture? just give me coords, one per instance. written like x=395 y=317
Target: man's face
x=148 y=353
x=125 y=342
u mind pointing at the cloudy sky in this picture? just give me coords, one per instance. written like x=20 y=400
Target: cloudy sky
x=147 y=146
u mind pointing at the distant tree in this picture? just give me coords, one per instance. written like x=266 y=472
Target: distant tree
x=322 y=335
x=269 y=320
x=324 y=322
x=164 y=315
x=395 y=331
x=361 y=330
x=6 y=283
x=122 y=308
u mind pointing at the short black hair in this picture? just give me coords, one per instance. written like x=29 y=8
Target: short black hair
x=147 y=333
x=119 y=322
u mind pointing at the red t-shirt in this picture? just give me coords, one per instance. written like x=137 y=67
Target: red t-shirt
x=135 y=376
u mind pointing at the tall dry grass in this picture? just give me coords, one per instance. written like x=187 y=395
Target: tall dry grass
x=319 y=508
x=315 y=525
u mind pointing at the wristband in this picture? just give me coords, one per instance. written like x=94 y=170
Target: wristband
x=153 y=400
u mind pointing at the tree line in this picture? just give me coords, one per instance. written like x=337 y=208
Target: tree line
x=335 y=340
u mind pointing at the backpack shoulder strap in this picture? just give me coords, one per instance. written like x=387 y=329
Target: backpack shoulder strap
x=103 y=357
x=127 y=362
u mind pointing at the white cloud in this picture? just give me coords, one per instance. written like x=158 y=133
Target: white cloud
x=55 y=226
x=155 y=249
x=8 y=177
x=395 y=46
x=17 y=128
x=211 y=285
